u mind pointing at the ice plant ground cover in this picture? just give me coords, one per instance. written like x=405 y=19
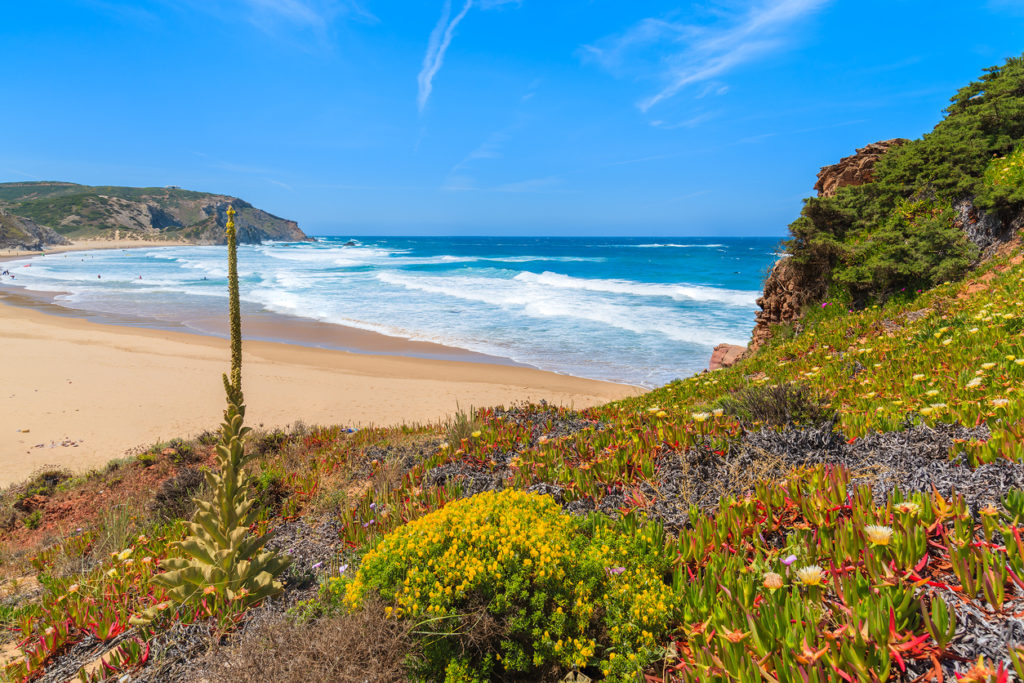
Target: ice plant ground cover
x=792 y=574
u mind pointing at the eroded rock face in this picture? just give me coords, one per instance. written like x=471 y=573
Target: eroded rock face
x=853 y=170
x=17 y=232
x=725 y=355
x=786 y=291
x=985 y=230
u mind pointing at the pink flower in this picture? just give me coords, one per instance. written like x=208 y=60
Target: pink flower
x=789 y=560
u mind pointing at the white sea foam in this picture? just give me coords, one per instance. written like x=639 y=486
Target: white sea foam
x=587 y=309
x=533 y=298
x=673 y=246
x=698 y=293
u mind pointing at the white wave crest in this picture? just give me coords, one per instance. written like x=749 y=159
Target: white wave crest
x=730 y=297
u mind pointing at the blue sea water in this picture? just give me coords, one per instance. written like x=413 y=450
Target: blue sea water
x=641 y=311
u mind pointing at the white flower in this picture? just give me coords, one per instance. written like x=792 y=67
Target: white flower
x=878 y=534
x=976 y=382
x=809 y=575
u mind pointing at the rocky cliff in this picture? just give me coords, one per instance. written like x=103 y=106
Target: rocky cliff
x=17 y=232
x=786 y=291
x=150 y=212
x=789 y=289
x=855 y=169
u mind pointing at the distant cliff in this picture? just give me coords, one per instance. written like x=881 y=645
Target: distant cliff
x=82 y=211
x=23 y=233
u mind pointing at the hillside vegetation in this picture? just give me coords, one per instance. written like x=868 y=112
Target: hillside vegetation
x=845 y=505
x=915 y=225
x=81 y=211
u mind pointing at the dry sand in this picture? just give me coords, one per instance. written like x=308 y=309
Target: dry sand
x=80 y=245
x=111 y=389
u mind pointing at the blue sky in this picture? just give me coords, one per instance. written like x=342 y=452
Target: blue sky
x=484 y=116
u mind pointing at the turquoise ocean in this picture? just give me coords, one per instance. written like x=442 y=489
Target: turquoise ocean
x=641 y=311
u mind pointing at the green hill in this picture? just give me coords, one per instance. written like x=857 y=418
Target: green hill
x=82 y=211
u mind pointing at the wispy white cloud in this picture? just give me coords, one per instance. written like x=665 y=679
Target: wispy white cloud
x=691 y=122
x=317 y=16
x=294 y=21
x=441 y=39
x=459 y=177
x=682 y=54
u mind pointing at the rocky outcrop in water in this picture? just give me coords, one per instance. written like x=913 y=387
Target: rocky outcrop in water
x=23 y=233
x=856 y=169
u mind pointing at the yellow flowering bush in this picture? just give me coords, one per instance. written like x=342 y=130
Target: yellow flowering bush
x=571 y=594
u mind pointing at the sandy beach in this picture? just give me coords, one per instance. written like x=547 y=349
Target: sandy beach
x=77 y=393
x=80 y=245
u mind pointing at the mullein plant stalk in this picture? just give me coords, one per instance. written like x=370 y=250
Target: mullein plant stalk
x=220 y=558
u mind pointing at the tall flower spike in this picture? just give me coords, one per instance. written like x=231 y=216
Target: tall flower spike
x=234 y=309
x=220 y=556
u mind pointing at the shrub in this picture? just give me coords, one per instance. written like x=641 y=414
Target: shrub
x=33 y=519
x=1004 y=179
x=777 y=405
x=917 y=247
x=184 y=452
x=43 y=483
x=269 y=489
x=876 y=238
x=461 y=426
x=173 y=500
x=349 y=648
x=567 y=593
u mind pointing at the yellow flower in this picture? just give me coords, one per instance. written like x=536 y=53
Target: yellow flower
x=809 y=575
x=908 y=507
x=987 y=366
x=475 y=435
x=701 y=417
x=918 y=377
x=878 y=534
